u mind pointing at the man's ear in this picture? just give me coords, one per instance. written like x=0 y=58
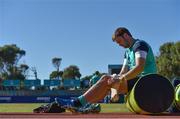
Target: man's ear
x=125 y=35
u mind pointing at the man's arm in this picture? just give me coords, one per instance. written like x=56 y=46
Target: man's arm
x=124 y=68
x=141 y=50
x=140 y=63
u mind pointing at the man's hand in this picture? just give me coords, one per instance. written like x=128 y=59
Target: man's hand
x=119 y=83
x=114 y=79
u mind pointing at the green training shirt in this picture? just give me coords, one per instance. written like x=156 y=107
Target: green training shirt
x=143 y=47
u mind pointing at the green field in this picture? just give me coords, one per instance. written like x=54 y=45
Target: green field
x=29 y=107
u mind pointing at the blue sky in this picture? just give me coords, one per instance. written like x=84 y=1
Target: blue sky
x=79 y=31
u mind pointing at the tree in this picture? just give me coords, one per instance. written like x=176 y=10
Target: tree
x=9 y=58
x=16 y=74
x=71 y=72
x=56 y=74
x=33 y=69
x=24 y=69
x=56 y=63
x=10 y=54
x=168 y=61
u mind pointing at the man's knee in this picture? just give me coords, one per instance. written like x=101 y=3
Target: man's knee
x=105 y=76
x=106 y=79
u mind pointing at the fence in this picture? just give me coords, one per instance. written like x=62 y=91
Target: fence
x=36 y=84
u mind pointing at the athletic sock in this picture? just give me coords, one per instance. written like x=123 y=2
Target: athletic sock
x=82 y=100
x=77 y=103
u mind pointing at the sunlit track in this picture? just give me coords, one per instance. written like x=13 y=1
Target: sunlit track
x=86 y=116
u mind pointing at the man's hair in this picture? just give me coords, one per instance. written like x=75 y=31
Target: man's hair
x=120 y=31
x=97 y=73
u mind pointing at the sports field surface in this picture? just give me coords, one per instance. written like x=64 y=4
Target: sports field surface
x=106 y=108
x=24 y=111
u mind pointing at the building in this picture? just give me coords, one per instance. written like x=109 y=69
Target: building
x=114 y=68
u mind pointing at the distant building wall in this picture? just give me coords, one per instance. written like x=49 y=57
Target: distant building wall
x=114 y=68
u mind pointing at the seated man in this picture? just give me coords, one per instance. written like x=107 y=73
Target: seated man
x=138 y=61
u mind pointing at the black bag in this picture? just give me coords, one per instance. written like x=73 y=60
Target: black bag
x=49 y=108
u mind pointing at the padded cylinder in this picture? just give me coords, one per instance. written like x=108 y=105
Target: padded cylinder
x=151 y=94
x=177 y=97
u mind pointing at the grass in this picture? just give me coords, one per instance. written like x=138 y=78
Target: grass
x=16 y=107
x=113 y=108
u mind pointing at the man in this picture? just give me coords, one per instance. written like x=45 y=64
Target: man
x=95 y=78
x=138 y=61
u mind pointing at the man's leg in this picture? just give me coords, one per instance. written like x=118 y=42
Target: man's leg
x=114 y=95
x=96 y=93
x=99 y=90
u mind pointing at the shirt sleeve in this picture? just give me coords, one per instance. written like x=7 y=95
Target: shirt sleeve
x=141 y=50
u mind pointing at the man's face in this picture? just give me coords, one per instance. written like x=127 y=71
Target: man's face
x=122 y=41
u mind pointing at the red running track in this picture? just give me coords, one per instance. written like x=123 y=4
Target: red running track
x=85 y=116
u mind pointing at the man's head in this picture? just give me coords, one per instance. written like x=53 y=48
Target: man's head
x=97 y=73
x=123 y=37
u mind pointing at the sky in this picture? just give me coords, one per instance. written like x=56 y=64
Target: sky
x=80 y=31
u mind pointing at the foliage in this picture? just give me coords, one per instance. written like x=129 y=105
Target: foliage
x=56 y=63
x=168 y=62
x=71 y=72
x=24 y=69
x=9 y=58
x=56 y=74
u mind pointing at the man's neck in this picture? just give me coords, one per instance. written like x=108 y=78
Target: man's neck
x=132 y=42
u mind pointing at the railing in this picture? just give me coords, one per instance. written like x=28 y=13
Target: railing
x=40 y=85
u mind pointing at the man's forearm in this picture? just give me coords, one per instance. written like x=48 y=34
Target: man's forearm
x=133 y=73
x=124 y=70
